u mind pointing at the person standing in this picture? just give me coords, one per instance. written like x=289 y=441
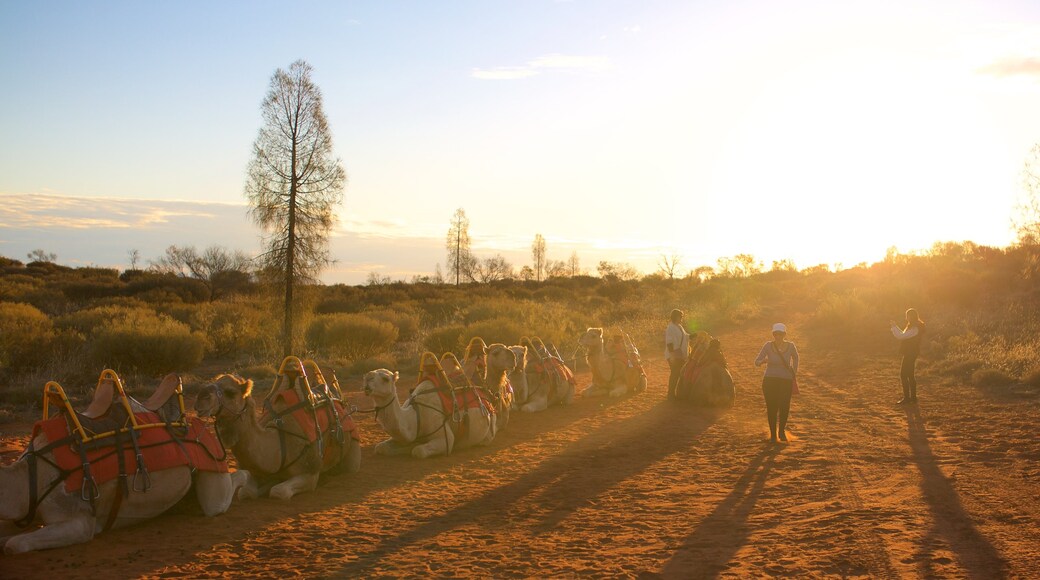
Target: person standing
x=677 y=349
x=910 y=347
x=781 y=359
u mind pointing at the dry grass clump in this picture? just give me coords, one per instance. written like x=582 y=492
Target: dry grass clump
x=355 y=336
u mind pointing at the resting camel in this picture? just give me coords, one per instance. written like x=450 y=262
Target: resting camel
x=500 y=362
x=611 y=374
x=283 y=459
x=549 y=381
x=427 y=425
x=70 y=518
x=705 y=380
x=518 y=376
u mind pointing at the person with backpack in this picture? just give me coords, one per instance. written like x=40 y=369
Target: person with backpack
x=677 y=349
x=909 y=347
x=781 y=359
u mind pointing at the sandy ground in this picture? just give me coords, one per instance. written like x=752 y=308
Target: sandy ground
x=642 y=488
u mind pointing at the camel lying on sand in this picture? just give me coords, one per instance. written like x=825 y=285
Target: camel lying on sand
x=548 y=380
x=616 y=370
x=435 y=420
x=705 y=379
x=33 y=490
x=491 y=371
x=284 y=451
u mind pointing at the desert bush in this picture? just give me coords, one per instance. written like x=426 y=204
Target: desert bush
x=360 y=367
x=1031 y=377
x=257 y=372
x=444 y=339
x=990 y=378
x=407 y=323
x=503 y=330
x=355 y=336
x=240 y=328
x=26 y=335
x=961 y=369
x=88 y=320
x=147 y=343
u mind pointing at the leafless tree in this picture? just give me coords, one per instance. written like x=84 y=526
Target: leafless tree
x=1026 y=219
x=617 y=270
x=555 y=269
x=492 y=269
x=668 y=264
x=135 y=258
x=574 y=264
x=460 y=259
x=220 y=269
x=538 y=256
x=39 y=255
x=294 y=183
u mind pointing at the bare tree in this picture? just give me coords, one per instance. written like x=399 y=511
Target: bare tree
x=555 y=269
x=1026 y=219
x=294 y=183
x=574 y=264
x=492 y=269
x=221 y=270
x=460 y=260
x=135 y=258
x=617 y=270
x=538 y=255
x=668 y=264
x=39 y=255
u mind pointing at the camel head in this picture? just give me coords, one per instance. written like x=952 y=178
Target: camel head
x=500 y=358
x=224 y=398
x=520 y=354
x=381 y=384
x=592 y=337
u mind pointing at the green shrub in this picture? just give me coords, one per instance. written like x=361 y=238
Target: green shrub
x=361 y=367
x=355 y=336
x=148 y=343
x=26 y=335
x=87 y=321
x=502 y=330
x=990 y=378
x=407 y=323
x=445 y=339
x=240 y=328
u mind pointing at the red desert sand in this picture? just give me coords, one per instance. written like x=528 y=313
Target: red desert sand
x=638 y=487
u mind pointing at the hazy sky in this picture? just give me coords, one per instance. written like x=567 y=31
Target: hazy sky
x=820 y=131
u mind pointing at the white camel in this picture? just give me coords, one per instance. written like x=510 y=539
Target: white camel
x=500 y=362
x=69 y=518
x=611 y=376
x=283 y=459
x=518 y=376
x=424 y=426
x=546 y=383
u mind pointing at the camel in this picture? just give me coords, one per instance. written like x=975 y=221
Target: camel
x=427 y=424
x=615 y=371
x=500 y=362
x=518 y=376
x=705 y=381
x=549 y=381
x=73 y=517
x=283 y=458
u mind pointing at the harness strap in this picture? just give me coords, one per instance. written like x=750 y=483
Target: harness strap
x=123 y=490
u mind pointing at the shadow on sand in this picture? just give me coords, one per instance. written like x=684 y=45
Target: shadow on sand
x=564 y=483
x=710 y=547
x=950 y=522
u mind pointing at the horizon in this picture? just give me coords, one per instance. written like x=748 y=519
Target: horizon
x=814 y=133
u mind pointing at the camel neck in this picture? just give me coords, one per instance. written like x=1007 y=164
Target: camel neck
x=401 y=425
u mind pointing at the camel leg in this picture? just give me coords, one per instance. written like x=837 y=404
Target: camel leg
x=592 y=390
x=391 y=447
x=216 y=491
x=440 y=444
x=536 y=404
x=74 y=531
x=353 y=458
x=618 y=391
x=294 y=485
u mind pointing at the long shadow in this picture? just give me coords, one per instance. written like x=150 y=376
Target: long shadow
x=950 y=521
x=710 y=547
x=600 y=462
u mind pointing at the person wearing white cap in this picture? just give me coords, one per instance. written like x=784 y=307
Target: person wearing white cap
x=781 y=358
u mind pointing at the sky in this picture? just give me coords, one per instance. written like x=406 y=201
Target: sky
x=821 y=132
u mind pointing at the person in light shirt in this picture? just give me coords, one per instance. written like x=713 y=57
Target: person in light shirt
x=781 y=359
x=910 y=347
x=677 y=349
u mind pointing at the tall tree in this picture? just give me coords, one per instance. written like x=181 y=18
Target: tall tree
x=538 y=256
x=294 y=183
x=460 y=260
x=574 y=264
x=668 y=264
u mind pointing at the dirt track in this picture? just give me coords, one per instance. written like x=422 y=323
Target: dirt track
x=639 y=487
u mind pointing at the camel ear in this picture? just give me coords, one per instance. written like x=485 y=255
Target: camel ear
x=248 y=390
x=397 y=375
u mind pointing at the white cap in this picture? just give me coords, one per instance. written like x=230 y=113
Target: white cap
x=779 y=327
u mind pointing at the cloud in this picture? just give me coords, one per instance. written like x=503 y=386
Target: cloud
x=1025 y=66
x=47 y=210
x=552 y=62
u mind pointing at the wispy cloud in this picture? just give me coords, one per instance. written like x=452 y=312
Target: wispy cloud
x=46 y=210
x=551 y=62
x=1009 y=67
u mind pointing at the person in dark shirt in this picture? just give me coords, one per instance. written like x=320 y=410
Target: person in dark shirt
x=909 y=337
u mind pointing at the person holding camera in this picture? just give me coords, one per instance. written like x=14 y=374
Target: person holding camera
x=909 y=347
